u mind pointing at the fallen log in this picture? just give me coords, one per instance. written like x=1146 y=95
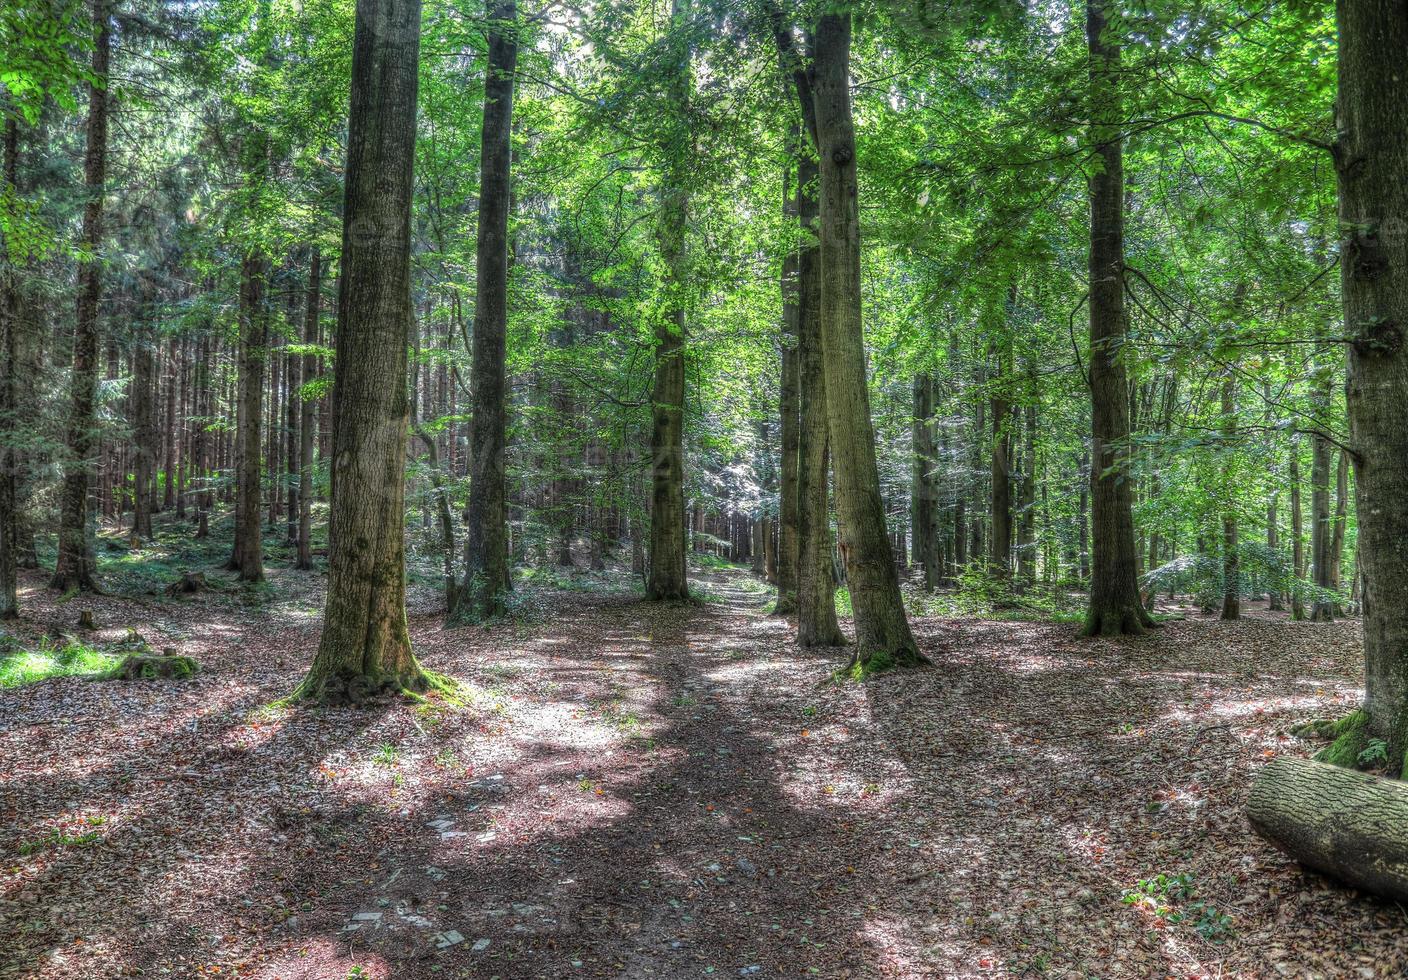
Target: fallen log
x=1349 y=825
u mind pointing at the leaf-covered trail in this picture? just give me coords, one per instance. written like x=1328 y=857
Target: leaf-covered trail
x=653 y=791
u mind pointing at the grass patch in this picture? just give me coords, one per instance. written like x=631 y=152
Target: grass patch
x=23 y=667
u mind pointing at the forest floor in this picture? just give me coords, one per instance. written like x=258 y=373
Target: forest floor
x=670 y=791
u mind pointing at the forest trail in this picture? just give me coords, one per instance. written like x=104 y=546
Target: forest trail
x=676 y=791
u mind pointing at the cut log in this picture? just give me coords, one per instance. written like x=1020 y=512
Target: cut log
x=85 y=620
x=151 y=666
x=1350 y=825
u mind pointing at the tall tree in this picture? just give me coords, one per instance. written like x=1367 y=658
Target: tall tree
x=248 y=556
x=9 y=355
x=1371 y=161
x=306 y=419
x=883 y=637
x=667 y=578
x=1114 y=586
x=76 y=565
x=486 y=539
x=365 y=648
x=789 y=399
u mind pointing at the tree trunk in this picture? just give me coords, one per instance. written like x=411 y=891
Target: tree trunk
x=1297 y=534
x=1336 y=563
x=788 y=399
x=1000 y=499
x=9 y=422
x=365 y=648
x=1114 y=587
x=883 y=637
x=76 y=566
x=248 y=556
x=144 y=434
x=306 y=415
x=1349 y=825
x=1231 y=561
x=922 y=507
x=667 y=545
x=1322 y=609
x=1026 y=527
x=486 y=534
x=1371 y=159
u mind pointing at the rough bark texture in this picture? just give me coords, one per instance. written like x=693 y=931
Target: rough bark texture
x=816 y=584
x=1114 y=587
x=76 y=565
x=1231 y=561
x=306 y=416
x=1322 y=610
x=1371 y=159
x=365 y=648
x=486 y=533
x=883 y=637
x=248 y=556
x=145 y=438
x=1297 y=533
x=667 y=578
x=1350 y=825
x=1000 y=496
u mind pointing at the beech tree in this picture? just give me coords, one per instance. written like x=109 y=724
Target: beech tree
x=365 y=649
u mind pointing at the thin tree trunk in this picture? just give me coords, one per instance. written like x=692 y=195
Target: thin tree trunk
x=9 y=423
x=144 y=432
x=486 y=538
x=1114 y=587
x=1297 y=534
x=307 y=410
x=1000 y=541
x=1322 y=609
x=1231 y=561
x=883 y=637
x=248 y=556
x=788 y=404
x=365 y=648
x=76 y=565
x=922 y=515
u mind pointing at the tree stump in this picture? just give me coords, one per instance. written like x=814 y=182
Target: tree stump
x=85 y=620
x=1350 y=825
x=151 y=666
x=187 y=584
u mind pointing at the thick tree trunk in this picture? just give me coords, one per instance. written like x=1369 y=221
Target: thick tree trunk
x=365 y=648
x=1114 y=587
x=486 y=533
x=667 y=579
x=76 y=566
x=1371 y=159
x=883 y=637
x=1349 y=825
x=306 y=415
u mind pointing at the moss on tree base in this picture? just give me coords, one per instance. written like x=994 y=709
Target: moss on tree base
x=1351 y=738
x=878 y=662
x=358 y=690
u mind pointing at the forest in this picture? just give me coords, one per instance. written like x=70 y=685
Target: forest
x=682 y=488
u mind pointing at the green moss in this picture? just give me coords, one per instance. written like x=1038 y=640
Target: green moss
x=1351 y=737
x=70 y=660
x=860 y=668
x=151 y=666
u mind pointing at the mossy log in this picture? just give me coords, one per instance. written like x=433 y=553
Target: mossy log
x=152 y=666
x=1350 y=825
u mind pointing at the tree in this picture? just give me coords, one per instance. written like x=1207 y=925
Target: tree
x=1114 y=588
x=76 y=564
x=1371 y=164
x=365 y=648
x=486 y=540
x=667 y=579
x=883 y=638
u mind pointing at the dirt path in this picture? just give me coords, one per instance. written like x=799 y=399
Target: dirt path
x=648 y=791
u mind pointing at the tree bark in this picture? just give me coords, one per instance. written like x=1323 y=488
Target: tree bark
x=1231 y=561
x=365 y=648
x=1371 y=161
x=1297 y=534
x=486 y=534
x=9 y=421
x=76 y=565
x=1000 y=496
x=1349 y=825
x=307 y=408
x=248 y=556
x=667 y=579
x=1322 y=609
x=1114 y=587
x=788 y=403
x=923 y=505
x=145 y=438
x=883 y=636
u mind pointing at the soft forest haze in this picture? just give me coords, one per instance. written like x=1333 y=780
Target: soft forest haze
x=551 y=489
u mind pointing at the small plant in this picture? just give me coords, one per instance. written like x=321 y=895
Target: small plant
x=684 y=700
x=1170 y=898
x=809 y=711
x=57 y=838
x=1374 y=754
x=387 y=754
